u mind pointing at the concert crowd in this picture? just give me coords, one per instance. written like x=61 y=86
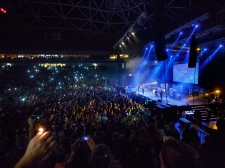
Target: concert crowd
x=86 y=124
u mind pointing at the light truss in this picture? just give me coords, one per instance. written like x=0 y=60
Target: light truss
x=214 y=42
x=187 y=25
x=201 y=34
x=132 y=29
x=208 y=31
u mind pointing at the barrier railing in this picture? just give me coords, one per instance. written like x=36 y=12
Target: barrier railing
x=201 y=134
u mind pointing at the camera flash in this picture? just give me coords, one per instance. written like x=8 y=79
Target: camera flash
x=41 y=130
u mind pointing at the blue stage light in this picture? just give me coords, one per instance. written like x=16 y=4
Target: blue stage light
x=146 y=48
x=211 y=56
x=181 y=32
x=167 y=49
x=171 y=56
x=151 y=45
x=205 y=49
x=196 y=25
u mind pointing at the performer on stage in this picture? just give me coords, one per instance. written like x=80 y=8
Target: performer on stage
x=142 y=88
x=138 y=87
x=156 y=92
x=161 y=93
x=126 y=90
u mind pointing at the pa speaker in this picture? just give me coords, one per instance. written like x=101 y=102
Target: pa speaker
x=159 y=34
x=193 y=52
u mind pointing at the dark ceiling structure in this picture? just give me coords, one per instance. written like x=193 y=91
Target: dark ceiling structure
x=88 y=25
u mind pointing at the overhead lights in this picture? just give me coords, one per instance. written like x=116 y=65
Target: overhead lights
x=131 y=30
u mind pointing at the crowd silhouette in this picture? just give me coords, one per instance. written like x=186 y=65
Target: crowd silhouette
x=86 y=124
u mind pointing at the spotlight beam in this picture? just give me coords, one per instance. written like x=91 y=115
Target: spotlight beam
x=145 y=52
x=145 y=61
x=206 y=32
x=187 y=25
x=176 y=40
x=210 y=57
x=186 y=40
x=149 y=52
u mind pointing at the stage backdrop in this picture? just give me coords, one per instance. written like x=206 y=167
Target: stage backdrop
x=183 y=74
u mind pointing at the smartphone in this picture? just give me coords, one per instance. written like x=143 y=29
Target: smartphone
x=84 y=138
x=41 y=129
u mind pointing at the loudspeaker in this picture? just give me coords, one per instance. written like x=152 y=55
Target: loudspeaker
x=159 y=34
x=193 y=52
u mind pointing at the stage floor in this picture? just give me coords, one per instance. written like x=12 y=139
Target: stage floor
x=185 y=99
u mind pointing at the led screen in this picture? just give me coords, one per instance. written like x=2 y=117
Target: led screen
x=181 y=73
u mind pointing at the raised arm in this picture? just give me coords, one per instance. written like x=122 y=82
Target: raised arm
x=39 y=146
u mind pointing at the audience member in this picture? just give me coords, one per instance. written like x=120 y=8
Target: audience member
x=38 y=147
x=71 y=103
x=172 y=131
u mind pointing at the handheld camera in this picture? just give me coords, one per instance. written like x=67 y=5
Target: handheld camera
x=84 y=138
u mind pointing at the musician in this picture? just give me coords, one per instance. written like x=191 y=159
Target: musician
x=161 y=93
x=156 y=92
x=142 y=88
x=126 y=90
x=138 y=86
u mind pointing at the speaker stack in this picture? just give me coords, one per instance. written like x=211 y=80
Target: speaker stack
x=193 y=52
x=159 y=31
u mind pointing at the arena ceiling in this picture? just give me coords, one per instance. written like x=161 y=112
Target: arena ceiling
x=104 y=20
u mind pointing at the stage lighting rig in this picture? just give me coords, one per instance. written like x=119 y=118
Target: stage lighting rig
x=189 y=24
x=208 y=31
x=201 y=34
x=221 y=40
x=131 y=31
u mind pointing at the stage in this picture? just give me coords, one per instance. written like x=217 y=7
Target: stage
x=183 y=101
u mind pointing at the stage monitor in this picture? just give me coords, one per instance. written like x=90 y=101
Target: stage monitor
x=183 y=74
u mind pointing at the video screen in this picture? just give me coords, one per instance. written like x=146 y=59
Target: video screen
x=181 y=73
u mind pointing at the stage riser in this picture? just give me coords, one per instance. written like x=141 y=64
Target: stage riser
x=203 y=111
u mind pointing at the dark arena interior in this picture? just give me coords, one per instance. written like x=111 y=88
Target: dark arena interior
x=112 y=83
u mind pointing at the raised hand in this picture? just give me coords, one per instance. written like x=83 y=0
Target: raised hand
x=91 y=143
x=40 y=145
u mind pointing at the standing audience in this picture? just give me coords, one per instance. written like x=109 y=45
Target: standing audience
x=69 y=109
